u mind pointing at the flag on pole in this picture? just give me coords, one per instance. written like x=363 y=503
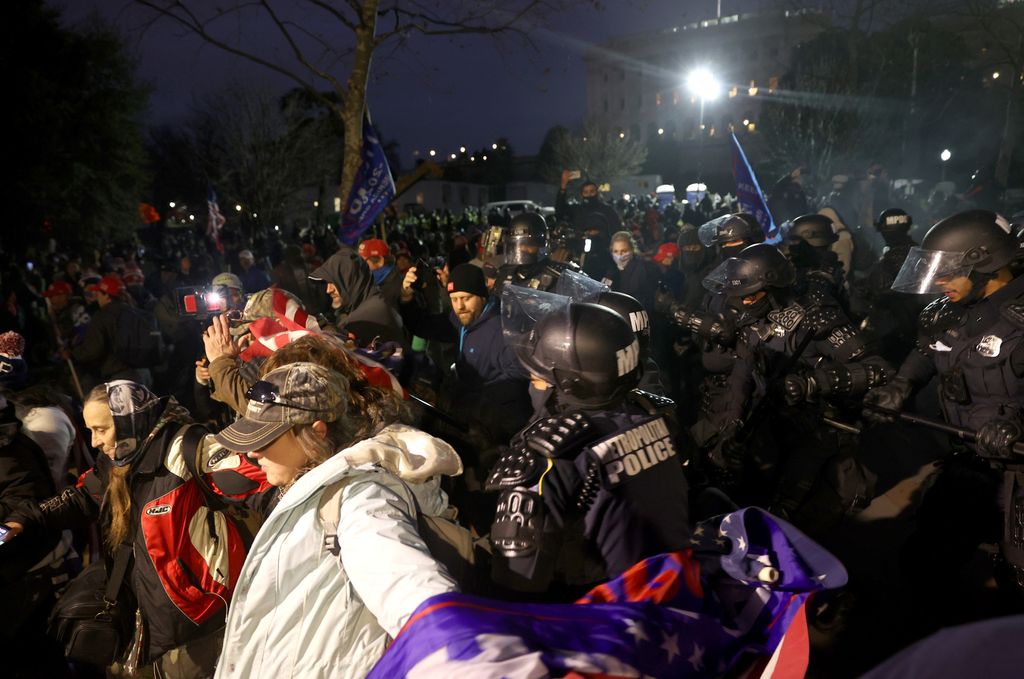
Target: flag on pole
x=749 y=194
x=372 y=189
x=214 y=220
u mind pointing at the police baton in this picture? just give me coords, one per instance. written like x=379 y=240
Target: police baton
x=434 y=410
x=910 y=418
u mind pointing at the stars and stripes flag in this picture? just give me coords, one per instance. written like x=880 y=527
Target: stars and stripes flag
x=749 y=194
x=726 y=604
x=214 y=220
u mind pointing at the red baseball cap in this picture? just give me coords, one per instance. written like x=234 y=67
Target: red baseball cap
x=666 y=250
x=58 y=288
x=109 y=285
x=373 y=247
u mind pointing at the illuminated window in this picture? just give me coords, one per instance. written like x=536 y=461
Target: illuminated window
x=732 y=93
x=657 y=99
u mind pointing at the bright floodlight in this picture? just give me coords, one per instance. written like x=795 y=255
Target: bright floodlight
x=945 y=155
x=702 y=84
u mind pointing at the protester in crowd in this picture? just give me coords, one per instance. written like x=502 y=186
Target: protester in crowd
x=360 y=309
x=105 y=349
x=181 y=579
x=385 y=275
x=338 y=567
x=632 y=275
x=253 y=277
x=490 y=383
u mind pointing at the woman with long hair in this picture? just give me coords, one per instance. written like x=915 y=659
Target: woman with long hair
x=186 y=556
x=338 y=567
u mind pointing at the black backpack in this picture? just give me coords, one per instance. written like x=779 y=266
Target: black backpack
x=138 y=342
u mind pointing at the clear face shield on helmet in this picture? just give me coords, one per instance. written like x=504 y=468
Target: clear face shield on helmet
x=929 y=271
x=734 y=277
x=522 y=311
x=579 y=287
x=523 y=250
x=490 y=242
x=710 y=233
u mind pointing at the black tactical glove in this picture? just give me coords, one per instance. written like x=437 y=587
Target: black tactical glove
x=889 y=397
x=996 y=438
x=707 y=326
x=798 y=389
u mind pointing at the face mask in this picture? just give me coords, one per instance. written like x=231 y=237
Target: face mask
x=622 y=260
x=691 y=261
x=756 y=310
x=803 y=254
x=591 y=200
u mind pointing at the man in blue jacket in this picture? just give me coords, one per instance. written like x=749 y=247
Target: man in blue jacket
x=491 y=386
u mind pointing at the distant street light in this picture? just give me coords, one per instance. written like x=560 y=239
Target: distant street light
x=622 y=135
x=494 y=147
x=452 y=156
x=171 y=204
x=661 y=130
x=704 y=85
x=944 y=157
x=995 y=75
x=238 y=208
x=462 y=149
x=432 y=153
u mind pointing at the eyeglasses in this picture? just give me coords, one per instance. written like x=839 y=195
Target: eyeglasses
x=266 y=392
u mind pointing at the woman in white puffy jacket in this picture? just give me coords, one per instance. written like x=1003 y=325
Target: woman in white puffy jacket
x=303 y=608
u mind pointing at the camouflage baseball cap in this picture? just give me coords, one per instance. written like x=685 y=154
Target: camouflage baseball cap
x=260 y=305
x=297 y=393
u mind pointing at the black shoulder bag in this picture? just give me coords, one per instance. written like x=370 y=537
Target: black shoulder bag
x=93 y=619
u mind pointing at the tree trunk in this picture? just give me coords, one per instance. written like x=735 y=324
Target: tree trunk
x=355 y=99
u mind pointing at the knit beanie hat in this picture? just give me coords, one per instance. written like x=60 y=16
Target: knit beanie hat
x=468 y=278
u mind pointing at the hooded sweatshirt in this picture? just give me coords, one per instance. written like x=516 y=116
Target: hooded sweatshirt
x=300 y=611
x=364 y=313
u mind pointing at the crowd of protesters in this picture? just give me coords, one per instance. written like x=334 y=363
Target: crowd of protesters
x=288 y=455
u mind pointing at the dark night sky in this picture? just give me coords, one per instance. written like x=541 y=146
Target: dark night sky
x=437 y=93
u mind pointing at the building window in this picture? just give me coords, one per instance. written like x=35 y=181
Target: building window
x=675 y=97
x=657 y=99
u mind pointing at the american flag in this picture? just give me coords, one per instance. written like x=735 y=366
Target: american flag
x=732 y=603
x=214 y=220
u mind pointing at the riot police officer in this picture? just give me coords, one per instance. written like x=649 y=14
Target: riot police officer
x=890 y=317
x=819 y=273
x=972 y=340
x=777 y=341
x=595 y=483
x=526 y=261
x=730 y=234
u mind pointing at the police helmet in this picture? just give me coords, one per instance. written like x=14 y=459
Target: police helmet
x=975 y=242
x=590 y=352
x=527 y=238
x=730 y=228
x=633 y=311
x=814 y=229
x=755 y=268
x=894 y=220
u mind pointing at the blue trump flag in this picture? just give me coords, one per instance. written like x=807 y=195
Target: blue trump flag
x=727 y=604
x=749 y=194
x=372 y=189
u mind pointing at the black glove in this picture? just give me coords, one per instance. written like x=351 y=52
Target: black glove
x=888 y=397
x=996 y=438
x=798 y=389
x=707 y=326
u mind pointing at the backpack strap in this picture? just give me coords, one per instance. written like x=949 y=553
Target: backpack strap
x=192 y=435
x=329 y=511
